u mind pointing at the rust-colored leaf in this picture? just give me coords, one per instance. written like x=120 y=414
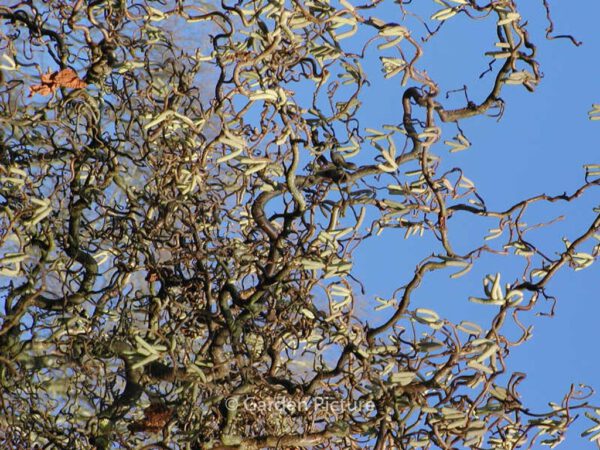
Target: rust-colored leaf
x=68 y=78
x=52 y=81
x=42 y=89
x=155 y=419
x=158 y=415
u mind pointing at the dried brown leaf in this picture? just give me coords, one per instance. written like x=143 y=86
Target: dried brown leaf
x=155 y=419
x=52 y=81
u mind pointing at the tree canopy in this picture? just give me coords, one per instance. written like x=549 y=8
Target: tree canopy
x=183 y=189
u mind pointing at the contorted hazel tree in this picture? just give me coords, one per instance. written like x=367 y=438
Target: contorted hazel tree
x=181 y=198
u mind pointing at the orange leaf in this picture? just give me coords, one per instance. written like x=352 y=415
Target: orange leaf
x=52 y=81
x=42 y=89
x=68 y=78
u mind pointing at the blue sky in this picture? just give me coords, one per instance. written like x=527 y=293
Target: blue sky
x=539 y=146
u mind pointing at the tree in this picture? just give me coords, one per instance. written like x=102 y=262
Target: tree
x=183 y=188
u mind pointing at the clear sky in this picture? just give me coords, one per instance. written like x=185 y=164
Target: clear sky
x=539 y=146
